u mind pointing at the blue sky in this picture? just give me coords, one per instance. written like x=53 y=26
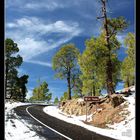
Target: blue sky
x=41 y=27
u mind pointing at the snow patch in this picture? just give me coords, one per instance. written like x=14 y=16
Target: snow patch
x=15 y=128
x=80 y=100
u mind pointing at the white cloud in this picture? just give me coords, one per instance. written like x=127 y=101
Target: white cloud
x=81 y=8
x=29 y=34
x=30 y=47
x=35 y=25
x=25 y=22
x=50 y=5
x=40 y=63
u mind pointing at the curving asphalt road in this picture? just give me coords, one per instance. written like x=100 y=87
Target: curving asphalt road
x=52 y=128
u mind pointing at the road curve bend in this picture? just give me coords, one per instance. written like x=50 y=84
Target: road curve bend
x=52 y=128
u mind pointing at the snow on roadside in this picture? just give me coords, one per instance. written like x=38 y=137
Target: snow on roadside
x=127 y=127
x=9 y=105
x=124 y=130
x=15 y=128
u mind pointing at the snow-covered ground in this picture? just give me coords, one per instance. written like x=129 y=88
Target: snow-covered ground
x=121 y=131
x=16 y=128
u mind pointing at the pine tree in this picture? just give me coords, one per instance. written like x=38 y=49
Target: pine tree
x=93 y=64
x=111 y=28
x=12 y=61
x=56 y=101
x=41 y=93
x=65 y=64
x=128 y=65
x=64 y=97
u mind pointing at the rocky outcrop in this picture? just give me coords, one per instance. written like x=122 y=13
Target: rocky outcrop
x=108 y=115
x=105 y=112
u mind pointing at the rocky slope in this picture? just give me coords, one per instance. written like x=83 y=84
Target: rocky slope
x=107 y=111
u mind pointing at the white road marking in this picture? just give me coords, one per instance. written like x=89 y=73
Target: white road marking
x=46 y=125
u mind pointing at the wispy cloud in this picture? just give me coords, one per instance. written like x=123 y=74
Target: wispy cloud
x=40 y=63
x=81 y=10
x=50 y=6
x=29 y=47
x=36 y=25
x=35 y=36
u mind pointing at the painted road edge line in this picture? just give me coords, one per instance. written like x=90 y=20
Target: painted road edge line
x=46 y=125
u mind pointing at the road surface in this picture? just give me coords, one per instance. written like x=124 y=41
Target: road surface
x=52 y=128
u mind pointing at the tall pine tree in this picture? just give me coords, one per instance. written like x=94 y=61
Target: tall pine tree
x=65 y=64
x=111 y=28
x=12 y=61
x=93 y=64
x=128 y=65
